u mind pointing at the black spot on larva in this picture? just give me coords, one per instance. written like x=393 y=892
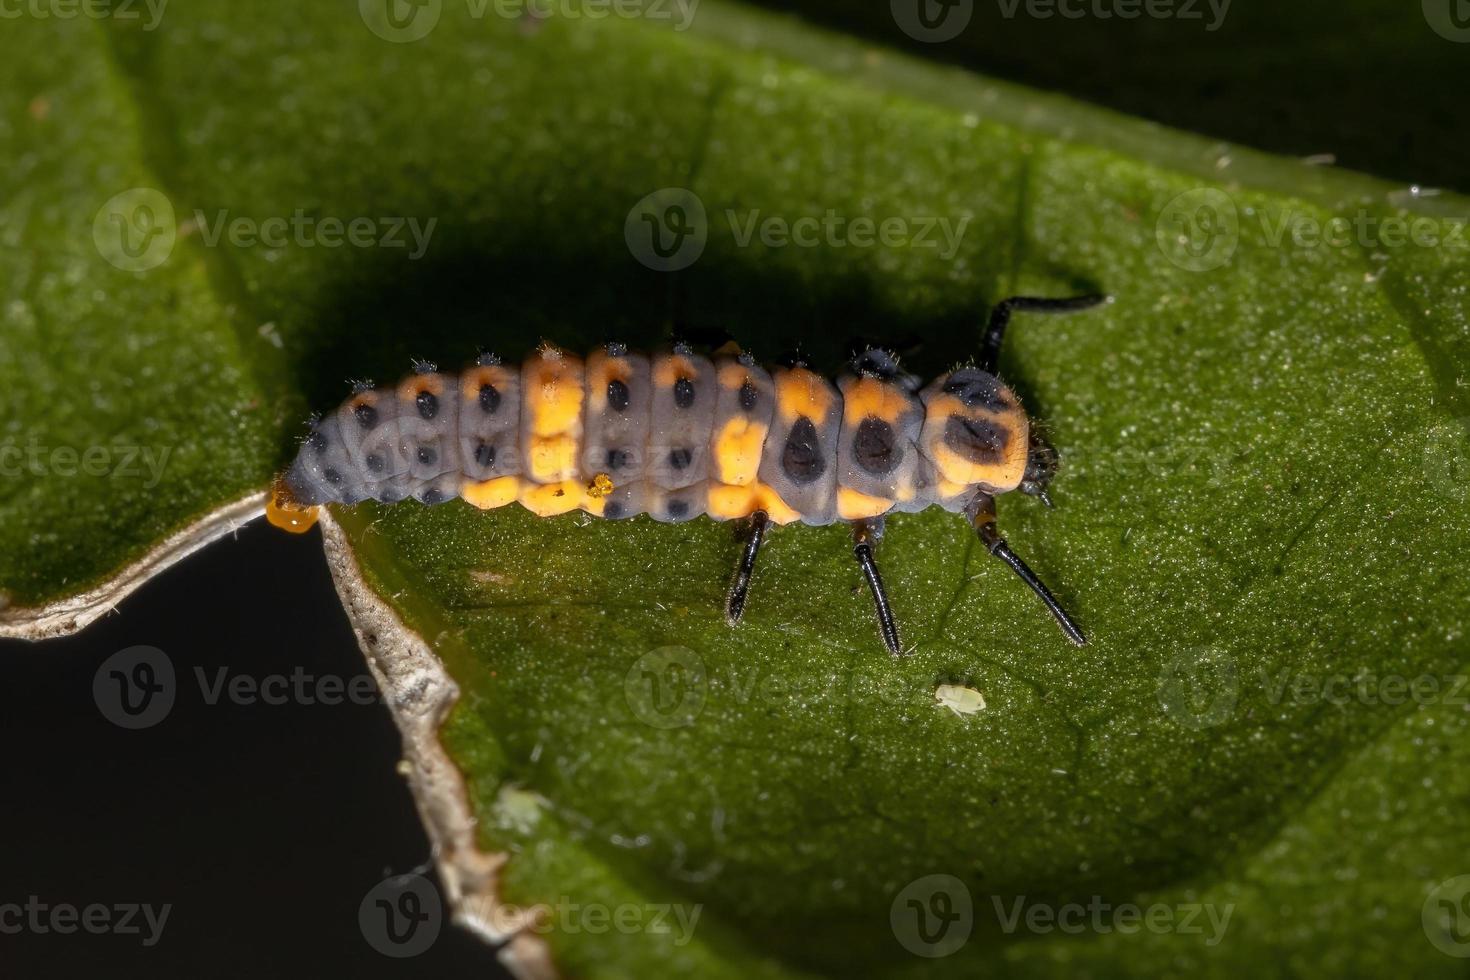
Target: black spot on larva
x=489 y=399
x=433 y=496
x=874 y=447
x=428 y=455
x=977 y=389
x=375 y=462
x=331 y=476
x=748 y=396
x=618 y=458
x=680 y=458
x=617 y=395
x=485 y=454
x=678 y=508
x=612 y=510
x=801 y=459
x=428 y=404
x=683 y=392
x=317 y=441
x=366 y=415
x=976 y=440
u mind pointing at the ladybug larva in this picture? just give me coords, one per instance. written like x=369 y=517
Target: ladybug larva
x=676 y=435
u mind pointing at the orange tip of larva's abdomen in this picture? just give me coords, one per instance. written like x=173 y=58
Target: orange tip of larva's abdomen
x=285 y=513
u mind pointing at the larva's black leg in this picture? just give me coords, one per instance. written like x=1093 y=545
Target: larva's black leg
x=864 y=535
x=735 y=607
x=981 y=513
x=1041 y=466
x=1000 y=316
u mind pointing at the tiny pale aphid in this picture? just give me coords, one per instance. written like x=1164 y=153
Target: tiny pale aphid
x=959 y=699
x=677 y=435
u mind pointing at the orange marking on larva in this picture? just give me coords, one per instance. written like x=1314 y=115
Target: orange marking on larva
x=553 y=398
x=854 y=506
x=737 y=451
x=669 y=368
x=800 y=391
x=550 y=499
x=410 y=387
x=866 y=397
x=489 y=494
x=475 y=378
x=550 y=459
x=282 y=510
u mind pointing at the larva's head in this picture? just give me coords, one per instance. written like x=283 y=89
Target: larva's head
x=285 y=511
x=975 y=433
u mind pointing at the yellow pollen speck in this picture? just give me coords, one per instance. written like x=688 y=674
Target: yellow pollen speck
x=600 y=486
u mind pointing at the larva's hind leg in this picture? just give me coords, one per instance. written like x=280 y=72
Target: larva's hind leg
x=981 y=512
x=865 y=535
x=735 y=606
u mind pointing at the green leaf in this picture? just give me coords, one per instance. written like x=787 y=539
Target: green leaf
x=1263 y=485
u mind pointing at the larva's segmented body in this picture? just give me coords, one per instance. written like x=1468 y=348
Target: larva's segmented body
x=675 y=435
x=672 y=435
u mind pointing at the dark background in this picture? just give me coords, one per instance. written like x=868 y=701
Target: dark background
x=264 y=826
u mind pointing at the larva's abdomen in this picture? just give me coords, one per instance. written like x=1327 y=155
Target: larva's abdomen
x=674 y=436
